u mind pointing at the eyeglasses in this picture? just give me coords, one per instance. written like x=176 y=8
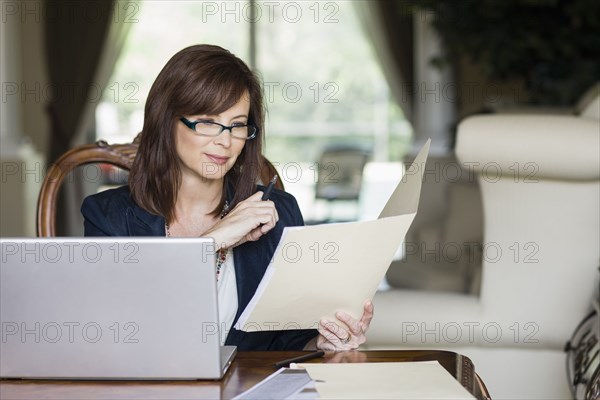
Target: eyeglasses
x=210 y=128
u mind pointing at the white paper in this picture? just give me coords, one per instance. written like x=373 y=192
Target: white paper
x=386 y=380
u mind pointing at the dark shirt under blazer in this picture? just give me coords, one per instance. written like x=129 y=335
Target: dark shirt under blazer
x=113 y=213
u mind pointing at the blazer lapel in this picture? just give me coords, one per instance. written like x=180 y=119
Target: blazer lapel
x=142 y=223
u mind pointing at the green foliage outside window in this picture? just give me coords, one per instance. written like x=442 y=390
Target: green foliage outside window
x=552 y=46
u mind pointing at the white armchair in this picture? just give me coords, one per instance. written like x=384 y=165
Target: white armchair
x=540 y=182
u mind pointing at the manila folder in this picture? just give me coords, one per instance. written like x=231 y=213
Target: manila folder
x=320 y=269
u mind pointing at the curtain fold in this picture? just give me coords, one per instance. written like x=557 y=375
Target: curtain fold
x=75 y=33
x=116 y=35
x=83 y=40
x=389 y=26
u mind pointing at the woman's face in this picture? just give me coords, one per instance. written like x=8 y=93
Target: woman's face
x=211 y=157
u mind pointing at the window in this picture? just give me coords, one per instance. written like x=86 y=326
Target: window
x=322 y=82
x=162 y=28
x=323 y=85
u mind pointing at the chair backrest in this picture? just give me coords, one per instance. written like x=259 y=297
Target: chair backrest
x=118 y=155
x=340 y=173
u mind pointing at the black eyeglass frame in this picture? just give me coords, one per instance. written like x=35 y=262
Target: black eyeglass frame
x=252 y=130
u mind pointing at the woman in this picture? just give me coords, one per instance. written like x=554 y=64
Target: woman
x=195 y=174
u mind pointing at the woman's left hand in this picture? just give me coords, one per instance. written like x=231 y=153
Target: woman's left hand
x=346 y=336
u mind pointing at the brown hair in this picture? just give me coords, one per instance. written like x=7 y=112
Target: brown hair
x=201 y=79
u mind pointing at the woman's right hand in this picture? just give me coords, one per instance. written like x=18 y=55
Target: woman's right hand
x=248 y=221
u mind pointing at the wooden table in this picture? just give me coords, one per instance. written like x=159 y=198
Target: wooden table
x=248 y=369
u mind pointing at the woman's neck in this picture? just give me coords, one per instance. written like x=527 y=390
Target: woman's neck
x=197 y=196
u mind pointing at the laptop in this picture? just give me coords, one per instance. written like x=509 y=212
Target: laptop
x=110 y=308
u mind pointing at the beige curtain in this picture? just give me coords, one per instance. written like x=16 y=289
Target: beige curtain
x=388 y=25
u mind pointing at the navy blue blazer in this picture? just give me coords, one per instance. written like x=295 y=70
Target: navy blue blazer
x=114 y=213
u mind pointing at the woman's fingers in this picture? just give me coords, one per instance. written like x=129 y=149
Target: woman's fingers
x=260 y=219
x=248 y=221
x=352 y=323
x=334 y=337
x=253 y=205
x=369 y=311
x=324 y=344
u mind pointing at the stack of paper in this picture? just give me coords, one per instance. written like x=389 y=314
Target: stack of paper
x=389 y=380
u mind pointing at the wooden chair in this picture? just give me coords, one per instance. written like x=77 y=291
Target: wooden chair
x=118 y=155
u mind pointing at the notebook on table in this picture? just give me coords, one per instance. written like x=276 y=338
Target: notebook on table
x=110 y=308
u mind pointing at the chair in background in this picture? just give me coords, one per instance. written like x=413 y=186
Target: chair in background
x=443 y=247
x=340 y=173
x=102 y=153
